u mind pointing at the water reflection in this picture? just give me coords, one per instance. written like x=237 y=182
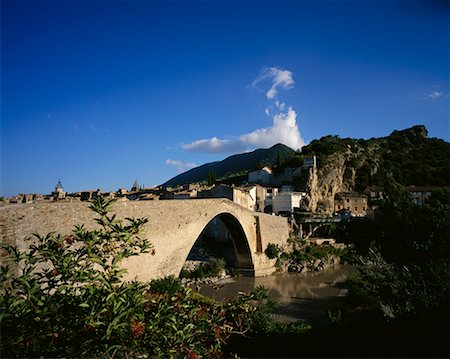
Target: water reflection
x=300 y=296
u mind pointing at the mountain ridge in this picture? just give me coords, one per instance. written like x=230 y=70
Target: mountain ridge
x=242 y=162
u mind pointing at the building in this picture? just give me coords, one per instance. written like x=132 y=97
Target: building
x=243 y=196
x=59 y=192
x=262 y=176
x=89 y=195
x=286 y=202
x=354 y=202
x=420 y=194
x=374 y=193
x=268 y=201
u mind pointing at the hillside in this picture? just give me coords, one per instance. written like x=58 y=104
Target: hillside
x=244 y=162
x=409 y=156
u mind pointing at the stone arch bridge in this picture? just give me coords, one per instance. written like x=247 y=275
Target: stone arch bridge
x=173 y=228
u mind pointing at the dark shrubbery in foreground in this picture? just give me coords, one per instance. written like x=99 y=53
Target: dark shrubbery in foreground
x=404 y=268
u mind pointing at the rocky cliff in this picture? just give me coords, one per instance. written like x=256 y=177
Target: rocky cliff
x=351 y=165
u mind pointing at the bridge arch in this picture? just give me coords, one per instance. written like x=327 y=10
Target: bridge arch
x=225 y=237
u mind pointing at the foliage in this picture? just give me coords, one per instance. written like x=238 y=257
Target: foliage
x=68 y=298
x=314 y=251
x=261 y=320
x=272 y=251
x=326 y=146
x=169 y=285
x=211 y=268
x=186 y=323
x=403 y=232
x=405 y=266
x=396 y=289
x=211 y=178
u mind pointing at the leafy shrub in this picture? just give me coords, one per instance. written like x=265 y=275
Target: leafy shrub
x=309 y=252
x=399 y=289
x=170 y=285
x=212 y=268
x=272 y=251
x=68 y=298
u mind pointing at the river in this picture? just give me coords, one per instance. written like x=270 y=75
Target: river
x=306 y=296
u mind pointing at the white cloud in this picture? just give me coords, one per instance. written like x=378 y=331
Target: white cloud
x=283 y=130
x=434 y=95
x=279 y=78
x=180 y=165
x=211 y=145
x=284 y=127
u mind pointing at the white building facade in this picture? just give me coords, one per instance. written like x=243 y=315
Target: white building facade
x=286 y=201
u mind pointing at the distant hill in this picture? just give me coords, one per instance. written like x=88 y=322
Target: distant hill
x=241 y=163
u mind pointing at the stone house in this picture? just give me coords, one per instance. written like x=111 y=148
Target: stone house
x=243 y=196
x=354 y=202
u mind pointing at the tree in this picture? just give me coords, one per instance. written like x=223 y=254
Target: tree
x=211 y=177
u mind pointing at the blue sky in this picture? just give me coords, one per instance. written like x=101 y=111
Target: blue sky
x=99 y=93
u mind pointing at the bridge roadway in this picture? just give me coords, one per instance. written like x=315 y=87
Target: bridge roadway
x=173 y=228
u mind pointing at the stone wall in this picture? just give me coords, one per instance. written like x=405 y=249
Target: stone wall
x=173 y=228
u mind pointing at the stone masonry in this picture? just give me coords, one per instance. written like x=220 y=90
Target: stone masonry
x=173 y=228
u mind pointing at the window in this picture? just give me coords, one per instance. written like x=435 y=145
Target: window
x=356 y=208
x=348 y=200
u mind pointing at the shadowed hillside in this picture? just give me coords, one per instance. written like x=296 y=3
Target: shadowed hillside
x=234 y=164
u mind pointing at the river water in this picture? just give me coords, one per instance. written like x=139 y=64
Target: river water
x=306 y=296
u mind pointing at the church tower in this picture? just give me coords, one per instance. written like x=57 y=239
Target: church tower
x=59 y=192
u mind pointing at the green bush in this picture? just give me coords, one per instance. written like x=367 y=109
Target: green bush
x=272 y=251
x=397 y=290
x=68 y=298
x=212 y=268
x=170 y=285
x=308 y=252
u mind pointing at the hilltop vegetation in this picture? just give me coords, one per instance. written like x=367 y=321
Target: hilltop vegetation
x=409 y=156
